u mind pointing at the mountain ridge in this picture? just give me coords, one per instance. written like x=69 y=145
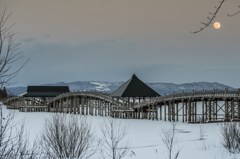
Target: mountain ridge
x=109 y=87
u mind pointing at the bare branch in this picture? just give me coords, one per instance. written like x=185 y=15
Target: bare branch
x=114 y=132
x=9 y=53
x=231 y=15
x=210 y=19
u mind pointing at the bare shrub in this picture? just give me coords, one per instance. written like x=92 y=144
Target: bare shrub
x=201 y=119
x=114 y=132
x=202 y=131
x=68 y=136
x=14 y=141
x=170 y=141
x=230 y=136
x=204 y=145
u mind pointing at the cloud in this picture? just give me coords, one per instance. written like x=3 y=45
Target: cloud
x=46 y=35
x=29 y=39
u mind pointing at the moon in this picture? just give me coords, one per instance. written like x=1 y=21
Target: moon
x=217 y=25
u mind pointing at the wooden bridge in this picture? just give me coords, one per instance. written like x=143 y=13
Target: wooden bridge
x=191 y=107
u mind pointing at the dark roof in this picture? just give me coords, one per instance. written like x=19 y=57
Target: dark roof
x=134 y=87
x=45 y=91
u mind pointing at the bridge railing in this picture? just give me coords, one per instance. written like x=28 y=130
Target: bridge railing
x=188 y=95
x=87 y=93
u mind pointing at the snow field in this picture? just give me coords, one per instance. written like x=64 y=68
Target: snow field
x=145 y=139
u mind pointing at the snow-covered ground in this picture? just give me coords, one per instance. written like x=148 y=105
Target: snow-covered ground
x=144 y=136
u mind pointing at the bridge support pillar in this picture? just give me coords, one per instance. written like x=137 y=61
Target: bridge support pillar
x=177 y=111
x=78 y=105
x=54 y=106
x=67 y=105
x=82 y=105
x=189 y=110
x=157 y=107
x=226 y=117
x=161 y=112
x=86 y=101
x=238 y=109
x=173 y=111
x=203 y=119
x=182 y=111
x=169 y=111
x=165 y=111
x=209 y=110
x=232 y=109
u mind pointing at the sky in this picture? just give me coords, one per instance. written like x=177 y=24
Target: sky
x=109 y=40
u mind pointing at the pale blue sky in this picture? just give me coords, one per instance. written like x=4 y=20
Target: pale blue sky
x=108 y=40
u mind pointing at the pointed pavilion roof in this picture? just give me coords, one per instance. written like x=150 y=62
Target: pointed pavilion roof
x=134 y=87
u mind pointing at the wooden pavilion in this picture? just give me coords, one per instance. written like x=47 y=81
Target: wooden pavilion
x=127 y=96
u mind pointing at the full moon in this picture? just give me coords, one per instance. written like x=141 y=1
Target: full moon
x=217 y=25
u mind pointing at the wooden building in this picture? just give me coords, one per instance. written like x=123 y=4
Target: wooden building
x=37 y=97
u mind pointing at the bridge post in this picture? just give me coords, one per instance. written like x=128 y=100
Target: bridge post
x=232 y=109
x=182 y=110
x=226 y=118
x=149 y=112
x=192 y=110
x=111 y=108
x=169 y=110
x=24 y=104
x=91 y=105
x=82 y=105
x=138 y=116
x=238 y=109
x=165 y=111
x=177 y=111
x=87 y=107
x=202 y=110
x=157 y=112
x=173 y=111
x=117 y=113
x=206 y=110
x=195 y=111
x=209 y=110
x=216 y=111
x=95 y=106
x=71 y=104
x=213 y=108
x=123 y=107
x=54 y=107
x=62 y=105
x=105 y=108
x=78 y=104
x=161 y=112
x=102 y=108
x=134 y=113
x=91 y=101
x=56 y=104
x=142 y=114
x=67 y=105
x=189 y=110
x=74 y=104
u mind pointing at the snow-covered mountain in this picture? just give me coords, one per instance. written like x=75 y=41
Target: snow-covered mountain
x=109 y=87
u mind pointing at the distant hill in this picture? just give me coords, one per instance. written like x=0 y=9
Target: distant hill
x=109 y=87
